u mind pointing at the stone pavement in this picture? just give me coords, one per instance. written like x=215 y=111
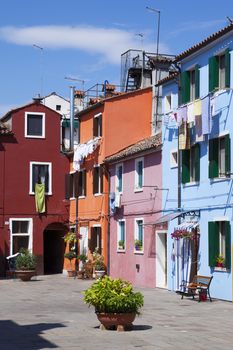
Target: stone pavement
x=48 y=313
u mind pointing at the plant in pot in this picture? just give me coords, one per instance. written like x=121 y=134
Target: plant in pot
x=220 y=261
x=82 y=260
x=70 y=256
x=25 y=264
x=115 y=302
x=121 y=244
x=98 y=264
x=138 y=244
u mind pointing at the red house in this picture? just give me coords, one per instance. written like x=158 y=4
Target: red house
x=31 y=159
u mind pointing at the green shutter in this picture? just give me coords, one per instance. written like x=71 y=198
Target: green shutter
x=197 y=162
x=185 y=87
x=213 y=236
x=140 y=173
x=227 y=154
x=213 y=73
x=197 y=81
x=185 y=166
x=213 y=158
x=228 y=245
x=227 y=68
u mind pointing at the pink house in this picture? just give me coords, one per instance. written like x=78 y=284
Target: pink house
x=135 y=204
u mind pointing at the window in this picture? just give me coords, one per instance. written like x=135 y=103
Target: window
x=21 y=235
x=97 y=180
x=95 y=239
x=191 y=164
x=82 y=183
x=219 y=243
x=190 y=85
x=41 y=173
x=139 y=173
x=219 y=71
x=97 y=125
x=168 y=103
x=219 y=157
x=58 y=107
x=119 y=178
x=173 y=159
x=35 y=125
x=139 y=235
x=121 y=235
x=72 y=185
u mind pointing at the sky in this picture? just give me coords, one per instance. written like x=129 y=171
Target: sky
x=42 y=43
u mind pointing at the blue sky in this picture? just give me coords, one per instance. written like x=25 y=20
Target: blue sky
x=85 y=39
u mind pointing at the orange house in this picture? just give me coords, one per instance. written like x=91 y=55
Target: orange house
x=105 y=128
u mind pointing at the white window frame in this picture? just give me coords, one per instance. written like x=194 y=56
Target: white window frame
x=99 y=193
x=81 y=173
x=97 y=116
x=168 y=103
x=99 y=236
x=136 y=178
x=119 y=234
x=136 y=234
x=30 y=226
x=26 y=124
x=173 y=163
x=50 y=176
x=117 y=178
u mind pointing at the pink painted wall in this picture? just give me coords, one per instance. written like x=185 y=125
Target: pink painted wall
x=145 y=204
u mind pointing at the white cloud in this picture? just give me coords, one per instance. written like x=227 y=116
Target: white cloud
x=110 y=43
x=196 y=26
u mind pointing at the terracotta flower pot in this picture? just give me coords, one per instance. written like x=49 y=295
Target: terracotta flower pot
x=119 y=320
x=25 y=275
x=71 y=273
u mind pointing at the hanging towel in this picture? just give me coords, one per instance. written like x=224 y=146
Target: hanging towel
x=197 y=107
x=181 y=115
x=184 y=138
x=40 y=198
x=190 y=112
x=112 y=202
x=198 y=127
x=205 y=115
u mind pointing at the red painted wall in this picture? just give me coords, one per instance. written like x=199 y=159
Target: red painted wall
x=16 y=152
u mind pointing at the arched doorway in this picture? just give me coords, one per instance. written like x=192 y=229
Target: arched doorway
x=54 y=248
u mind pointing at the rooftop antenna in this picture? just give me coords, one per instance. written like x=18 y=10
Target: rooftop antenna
x=141 y=35
x=76 y=79
x=230 y=20
x=41 y=65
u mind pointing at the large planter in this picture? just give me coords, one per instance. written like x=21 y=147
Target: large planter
x=120 y=321
x=71 y=273
x=25 y=275
x=99 y=273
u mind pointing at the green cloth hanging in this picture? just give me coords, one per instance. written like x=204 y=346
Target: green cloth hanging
x=40 y=198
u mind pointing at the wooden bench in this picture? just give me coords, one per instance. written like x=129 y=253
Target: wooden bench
x=200 y=284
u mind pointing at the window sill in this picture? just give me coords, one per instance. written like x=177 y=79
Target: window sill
x=98 y=194
x=138 y=189
x=222 y=269
x=190 y=184
x=139 y=252
x=219 y=179
x=81 y=197
x=34 y=137
x=46 y=194
x=120 y=250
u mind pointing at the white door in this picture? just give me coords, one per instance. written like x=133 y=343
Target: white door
x=84 y=240
x=161 y=259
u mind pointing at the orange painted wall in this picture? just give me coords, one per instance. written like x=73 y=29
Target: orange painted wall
x=127 y=120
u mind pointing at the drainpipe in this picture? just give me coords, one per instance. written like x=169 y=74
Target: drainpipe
x=71 y=118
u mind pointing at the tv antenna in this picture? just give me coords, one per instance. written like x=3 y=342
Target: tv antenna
x=41 y=67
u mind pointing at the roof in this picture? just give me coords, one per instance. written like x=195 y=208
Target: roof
x=141 y=146
x=168 y=78
x=204 y=42
x=4 y=130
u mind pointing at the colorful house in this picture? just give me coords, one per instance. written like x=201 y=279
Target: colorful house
x=197 y=158
x=105 y=128
x=135 y=204
x=33 y=213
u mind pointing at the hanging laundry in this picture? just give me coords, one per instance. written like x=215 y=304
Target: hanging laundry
x=205 y=115
x=184 y=139
x=40 y=198
x=181 y=115
x=112 y=202
x=190 y=113
x=198 y=128
x=197 y=107
x=82 y=151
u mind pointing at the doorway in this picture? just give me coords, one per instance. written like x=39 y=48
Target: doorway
x=54 y=248
x=161 y=259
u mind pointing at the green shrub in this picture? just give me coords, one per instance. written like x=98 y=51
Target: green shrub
x=25 y=260
x=113 y=296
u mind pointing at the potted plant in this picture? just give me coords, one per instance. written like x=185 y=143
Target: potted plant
x=138 y=244
x=82 y=260
x=70 y=256
x=121 y=244
x=220 y=261
x=115 y=302
x=98 y=264
x=25 y=264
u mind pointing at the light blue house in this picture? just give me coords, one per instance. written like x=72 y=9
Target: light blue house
x=197 y=138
